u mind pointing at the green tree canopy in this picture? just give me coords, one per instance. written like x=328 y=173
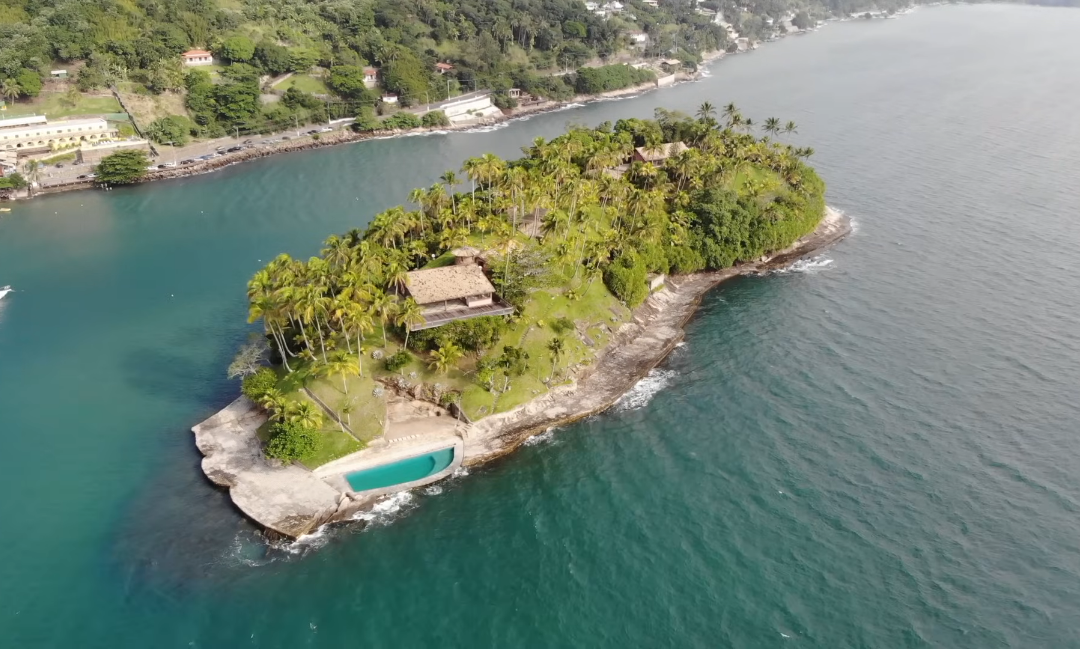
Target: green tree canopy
x=236 y=49
x=173 y=128
x=122 y=168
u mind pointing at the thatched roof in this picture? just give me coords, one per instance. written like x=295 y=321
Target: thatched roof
x=661 y=152
x=447 y=283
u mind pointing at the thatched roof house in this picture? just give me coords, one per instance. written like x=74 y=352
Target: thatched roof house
x=453 y=293
x=659 y=153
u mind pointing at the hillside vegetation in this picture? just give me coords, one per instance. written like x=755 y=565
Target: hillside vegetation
x=605 y=223
x=134 y=45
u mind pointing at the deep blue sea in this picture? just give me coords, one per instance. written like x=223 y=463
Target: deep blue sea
x=878 y=448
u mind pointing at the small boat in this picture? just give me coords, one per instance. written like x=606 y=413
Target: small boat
x=5 y=209
x=4 y=290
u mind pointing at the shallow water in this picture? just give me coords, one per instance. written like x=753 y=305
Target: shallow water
x=876 y=448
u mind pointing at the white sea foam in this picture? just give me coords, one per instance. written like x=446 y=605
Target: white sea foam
x=387 y=510
x=460 y=472
x=304 y=544
x=644 y=390
x=540 y=438
x=807 y=266
x=487 y=129
x=433 y=490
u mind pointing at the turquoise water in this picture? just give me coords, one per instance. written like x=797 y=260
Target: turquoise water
x=413 y=468
x=877 y=449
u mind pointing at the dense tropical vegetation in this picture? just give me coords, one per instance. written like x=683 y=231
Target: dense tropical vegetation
x=134 y=45
x=605 y=221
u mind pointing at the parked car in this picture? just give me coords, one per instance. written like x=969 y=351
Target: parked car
x=285 y=137
x=325 y=129
x=60 y=166
x=248 y=141
x=234 y=149
x=189 y=161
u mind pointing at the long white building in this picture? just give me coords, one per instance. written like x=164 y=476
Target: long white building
x=37 y=134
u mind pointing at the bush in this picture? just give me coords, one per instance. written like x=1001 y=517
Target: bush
x=174 y=128
x=290 y=441
x=366 y=120
x=402 y=121
x=626 y=278
x=474 y=334
x=258 y=384
x=435 y=118
x=398 y=360
x=562 y=325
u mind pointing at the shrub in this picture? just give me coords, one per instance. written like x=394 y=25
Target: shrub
x=474 y=334
x=562 y=325
x=402 y=121
x=173 y=128
x=290 y=441
x=514 y=360
x=435 y=118
x=398 y=360
x=626 y=278
x=259 y=383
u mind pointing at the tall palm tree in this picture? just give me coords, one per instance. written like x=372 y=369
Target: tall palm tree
x=790 y=127
x=555 y=346
x=344 y=365
x=733 y=116
x=451 y=179
x=409 y=313
x=772 y=126
x=383 y=306
x=706 y=111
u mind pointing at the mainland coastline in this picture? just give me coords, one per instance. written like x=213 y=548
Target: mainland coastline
x=291 y=501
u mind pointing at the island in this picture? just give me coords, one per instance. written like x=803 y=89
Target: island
x=509 y=297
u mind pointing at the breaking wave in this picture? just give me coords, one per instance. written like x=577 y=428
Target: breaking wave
x=540 y=438
x=807 y=266
x=644 y=390
x=388 y=510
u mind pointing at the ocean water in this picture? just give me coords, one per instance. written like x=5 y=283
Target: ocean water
x=875 y=448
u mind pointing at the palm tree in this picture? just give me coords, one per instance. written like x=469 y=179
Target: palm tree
x=790 y=127
x=555 y=346
x=451 y=179
x=383 y=306
x=10 y=90
x=273 y=402
x=359 y=320
x=706 y=111
x=304 y=413
x=734 y=117
x=409 y=313
x=772 y=126
x=443 y=358
x=343 y=364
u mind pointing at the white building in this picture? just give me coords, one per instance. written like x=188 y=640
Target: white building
x=195 y=58
x=371 y=77
x=638 y=38
x=36 y=134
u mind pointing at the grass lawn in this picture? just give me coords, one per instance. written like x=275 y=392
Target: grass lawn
x=304 y=82
x=147 y=108
x=368 y=415
x=55 y=105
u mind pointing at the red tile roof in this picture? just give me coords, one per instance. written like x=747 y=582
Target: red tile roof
x=190 y=54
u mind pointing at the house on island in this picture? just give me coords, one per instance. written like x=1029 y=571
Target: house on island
x=455 y=292
x=659 y=153
x=443 y=68
x=389 y=99
x=195 y=58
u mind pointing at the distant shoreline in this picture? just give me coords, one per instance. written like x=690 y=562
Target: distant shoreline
x=292 y=501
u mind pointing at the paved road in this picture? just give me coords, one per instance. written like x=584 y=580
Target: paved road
x=70 y=172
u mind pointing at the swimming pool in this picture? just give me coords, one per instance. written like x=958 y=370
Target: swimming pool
x=402 y=471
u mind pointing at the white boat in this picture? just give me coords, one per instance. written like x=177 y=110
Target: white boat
x=4 y=290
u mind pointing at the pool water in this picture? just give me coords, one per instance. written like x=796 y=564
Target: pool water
x=413 y=468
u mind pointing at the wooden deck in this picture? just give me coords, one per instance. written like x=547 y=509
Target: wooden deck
x=440 y=318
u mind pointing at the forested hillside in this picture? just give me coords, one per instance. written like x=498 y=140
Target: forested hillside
x=491 y=44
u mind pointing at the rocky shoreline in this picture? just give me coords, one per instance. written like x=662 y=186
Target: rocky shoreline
x=292 y=501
